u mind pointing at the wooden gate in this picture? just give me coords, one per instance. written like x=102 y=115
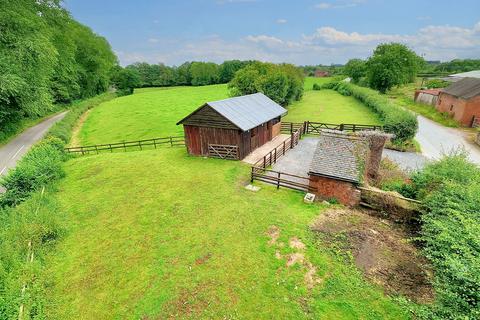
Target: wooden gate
x=223 y=151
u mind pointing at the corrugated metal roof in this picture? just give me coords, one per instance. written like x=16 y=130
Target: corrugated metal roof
x=249 y=111
x=469 y=74
x=466 y=88
x=339 y=157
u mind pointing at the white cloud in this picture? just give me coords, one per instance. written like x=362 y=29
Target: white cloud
x=282 y=21
x=339 y=4
x=325 y=45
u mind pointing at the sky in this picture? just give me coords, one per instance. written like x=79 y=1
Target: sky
x=302 y=32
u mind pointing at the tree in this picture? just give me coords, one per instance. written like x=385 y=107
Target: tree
x=282 y=83
x=392 y=64
x=228 y=69
x=125 y=80
x=204 y=73
x=355 y=69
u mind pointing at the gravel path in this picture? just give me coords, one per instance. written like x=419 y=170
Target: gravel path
x=407 y=161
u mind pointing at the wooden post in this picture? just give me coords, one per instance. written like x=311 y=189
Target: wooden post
x=284 y=147
x=291 y=141
x=353 y=127
x=341 y=127
x=308 y=125
x=264 y=161
x=124 y=146
x=251 y=176
x=171 y=143
x=140 y=145
x=275 y=159
x=81 y=148
x=111 y=149
x=278 y=180
x=96 y=148
x=155 y=143
x=291 y=127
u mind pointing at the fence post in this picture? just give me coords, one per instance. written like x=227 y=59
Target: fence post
x=124 y=146
x=264 y=160
x=284 y=147
x=171 y=143
x=291 y=127
x=111 y=149
x=140 y=145
x=291 y=141
x=341 y=127
x=81 y=148
x=308 y=125
x=251 y=176
x=278 y=180
x=275 y=160
x=270 y=158
x=354 y=127
x=155 y=143
x=96 y=148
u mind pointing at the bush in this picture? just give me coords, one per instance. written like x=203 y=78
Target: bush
x=282 y=83
x=450 y=191
x=402 y=123
x=436 y=83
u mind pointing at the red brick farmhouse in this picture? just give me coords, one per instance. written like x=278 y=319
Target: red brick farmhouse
x=462 y=101
x=232 y=128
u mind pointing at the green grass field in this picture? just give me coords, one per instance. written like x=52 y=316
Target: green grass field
x=330 y=106
x=309 y=81
x=158 y=234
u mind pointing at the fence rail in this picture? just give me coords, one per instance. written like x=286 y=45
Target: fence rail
x=140 y=144
x=282 y=179
x=273 y=155
x=312 y=127
x=223 y=151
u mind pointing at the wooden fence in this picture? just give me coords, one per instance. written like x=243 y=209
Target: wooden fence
x=282 y=179
x=311 y=127
x=273 y=155
x=140 y=144
x=223 y=151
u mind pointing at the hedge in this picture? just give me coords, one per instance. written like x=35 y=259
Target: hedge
x=398 y=121
x=450 y=234
x=43 y=163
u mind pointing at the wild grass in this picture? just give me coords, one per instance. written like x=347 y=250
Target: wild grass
x=159 y=234
x=330 y=106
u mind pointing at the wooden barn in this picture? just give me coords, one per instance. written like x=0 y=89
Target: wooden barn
x=232 y=128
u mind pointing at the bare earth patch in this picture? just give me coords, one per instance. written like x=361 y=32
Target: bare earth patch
x=75 y=140
x=273 y=232
x=380 y=249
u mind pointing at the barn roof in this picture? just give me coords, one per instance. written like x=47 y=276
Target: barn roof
x=466 y=88
x=339 y=157
x=246 y=112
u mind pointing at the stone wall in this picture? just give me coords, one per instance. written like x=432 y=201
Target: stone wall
x=345 y=192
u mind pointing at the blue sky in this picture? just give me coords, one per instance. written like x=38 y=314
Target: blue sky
x=300 y=32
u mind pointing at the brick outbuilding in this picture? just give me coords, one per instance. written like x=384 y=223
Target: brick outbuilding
x=338 y=167
x=462 y=101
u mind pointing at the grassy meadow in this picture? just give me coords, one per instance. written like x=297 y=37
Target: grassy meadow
x=173 y=236
x=330 y=106
x=160 y=234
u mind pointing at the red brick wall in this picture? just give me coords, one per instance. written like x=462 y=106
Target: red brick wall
x=345 y=192
x=462 y=110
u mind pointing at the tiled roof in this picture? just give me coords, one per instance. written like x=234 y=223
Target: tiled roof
x=340 y=157
x=466 y=88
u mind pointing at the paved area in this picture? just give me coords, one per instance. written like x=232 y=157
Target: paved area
x=297 y=160
x=15 y=149
x=258 y=153
x=437 y=140
x=407 y=161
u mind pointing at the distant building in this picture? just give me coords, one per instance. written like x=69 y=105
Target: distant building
x=232 y=128
x=459 y=76
x=462 y=101
x=321 y=74
x=427 y=96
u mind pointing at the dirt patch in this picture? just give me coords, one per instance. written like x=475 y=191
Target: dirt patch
x=295 y=243
x=311 y=278
x=203 y=259
x=295 y=258
x=190 y=303
x=75 y=140
x=274 y=233
x=380 y=249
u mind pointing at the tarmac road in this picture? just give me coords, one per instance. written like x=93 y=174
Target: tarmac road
x=15 y=149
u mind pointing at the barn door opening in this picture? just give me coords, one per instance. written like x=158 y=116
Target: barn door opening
x=253 y=139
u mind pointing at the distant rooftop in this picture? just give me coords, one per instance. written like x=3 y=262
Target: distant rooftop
x=339 y=156
x=469 y=74
x=466 y=88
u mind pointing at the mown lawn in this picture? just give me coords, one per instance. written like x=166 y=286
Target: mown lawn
x=158 y=234
x=330 y=106
x=149 y=113
x=309 y=81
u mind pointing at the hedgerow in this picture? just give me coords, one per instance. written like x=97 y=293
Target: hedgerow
x=402 y=123
x=43 y=163
x=450 y=192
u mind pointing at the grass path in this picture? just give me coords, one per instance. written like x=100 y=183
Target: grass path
x=172 y=236
x=330 y=106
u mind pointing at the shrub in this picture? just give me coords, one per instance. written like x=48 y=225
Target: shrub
x=450 y=191
x=402 y=123
x=437 y=83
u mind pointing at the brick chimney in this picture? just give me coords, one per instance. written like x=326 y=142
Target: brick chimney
x=376 y=142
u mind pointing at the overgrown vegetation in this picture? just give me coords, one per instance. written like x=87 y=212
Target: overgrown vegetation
x=43 y=163
x=283 y=83
x=46 y=57
x=402 y=123
x=450 y=191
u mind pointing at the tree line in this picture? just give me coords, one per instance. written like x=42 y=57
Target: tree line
x=47 y=57
x=142 y=74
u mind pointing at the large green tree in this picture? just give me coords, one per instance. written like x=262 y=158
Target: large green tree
x=392 y=64
x=355 y=69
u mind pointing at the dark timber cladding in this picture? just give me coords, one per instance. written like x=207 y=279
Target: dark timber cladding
x=244 y=123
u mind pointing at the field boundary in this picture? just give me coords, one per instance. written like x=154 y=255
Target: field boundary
x=140 y=144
